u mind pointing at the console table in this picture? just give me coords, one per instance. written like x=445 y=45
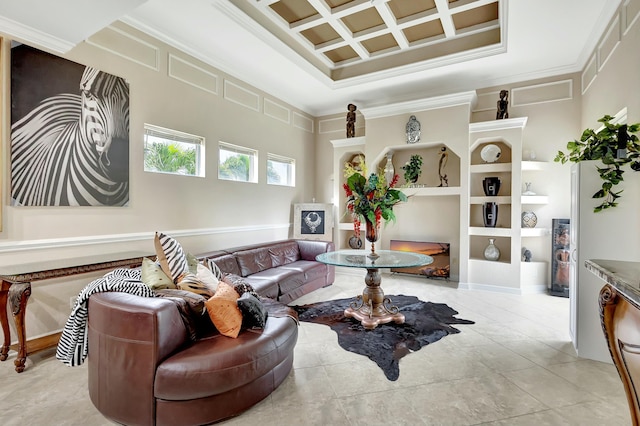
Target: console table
x=372 y=307
x=15 y=289
x=619 y=302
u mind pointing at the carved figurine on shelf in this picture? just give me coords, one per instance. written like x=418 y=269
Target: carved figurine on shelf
x=413 y=130
x=526 y=254
x=444 y=157
x=502 y=105
x=351 y=120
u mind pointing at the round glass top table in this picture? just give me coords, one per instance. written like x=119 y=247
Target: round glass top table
x=372 y=308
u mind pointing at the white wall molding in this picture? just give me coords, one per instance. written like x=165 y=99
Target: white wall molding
x=454 y=99
x=31 y=35
x=27 y=245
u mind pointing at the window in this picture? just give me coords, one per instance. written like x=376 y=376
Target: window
x=237 y=163
x=281 y=170
x=171 y=151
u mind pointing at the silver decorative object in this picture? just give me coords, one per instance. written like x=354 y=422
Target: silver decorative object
x=529 y=220
x=491 y=251
x=413 y=130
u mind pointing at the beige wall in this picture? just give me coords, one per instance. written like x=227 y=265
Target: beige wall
x=208 y=214
x=203 y=213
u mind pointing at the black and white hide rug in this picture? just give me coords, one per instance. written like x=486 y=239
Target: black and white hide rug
x=425 y=322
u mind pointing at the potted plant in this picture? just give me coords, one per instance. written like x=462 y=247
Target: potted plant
x=412 y=169
x=615 y=145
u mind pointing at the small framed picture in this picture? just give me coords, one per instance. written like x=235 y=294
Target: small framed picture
x=313 y=221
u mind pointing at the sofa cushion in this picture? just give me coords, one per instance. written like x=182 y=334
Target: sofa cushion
x=226 y=263
x=154 y=276
x=223 y=310
x=312 y=270
x=171 y=256
x=253 y=261
x=264 y=286
x=284 y=253
x=193 y=373
x=254 y=314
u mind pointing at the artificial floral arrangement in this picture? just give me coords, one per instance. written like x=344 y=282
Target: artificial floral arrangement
x=373 y=198
x=413 y=169
x=615 y=145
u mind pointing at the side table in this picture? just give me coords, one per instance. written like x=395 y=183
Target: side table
x=15 y=290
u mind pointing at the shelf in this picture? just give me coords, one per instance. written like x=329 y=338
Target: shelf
x=431 y=191
x=534 y=232
x=490 y=232
x=490 y=168
x=534 y=165
x=481 y=200
x=534 y=199
x=482 y=260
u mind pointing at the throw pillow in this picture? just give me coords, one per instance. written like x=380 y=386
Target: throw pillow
x=190 y=282
x=224 y=312
x=192 y=261
x=240 y=284
x=214 y=268
x=191 y=308
x=207 y=277
x=254 y=314
x=171 y=256
x=153 y=276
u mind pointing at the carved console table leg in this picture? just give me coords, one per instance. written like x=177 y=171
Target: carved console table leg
x=4 y=320
x=18 y=296
x=619 y=315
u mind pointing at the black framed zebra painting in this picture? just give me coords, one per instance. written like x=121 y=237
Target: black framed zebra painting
x=69 y=132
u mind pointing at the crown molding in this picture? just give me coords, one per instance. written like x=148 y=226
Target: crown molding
x=507 y=123
x=463 y=98
x=32 y=35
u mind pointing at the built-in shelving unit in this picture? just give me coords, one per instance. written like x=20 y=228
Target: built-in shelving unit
x=508 y=233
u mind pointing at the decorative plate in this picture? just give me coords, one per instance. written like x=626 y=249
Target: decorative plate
x=490 y=153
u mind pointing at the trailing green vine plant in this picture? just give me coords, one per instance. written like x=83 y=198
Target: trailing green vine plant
x=615 y=145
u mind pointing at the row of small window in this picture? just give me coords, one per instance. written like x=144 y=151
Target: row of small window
x=171 y=151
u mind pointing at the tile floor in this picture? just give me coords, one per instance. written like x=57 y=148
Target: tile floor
x=514 y=366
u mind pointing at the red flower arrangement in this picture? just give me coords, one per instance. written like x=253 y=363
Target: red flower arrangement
x=372 y=199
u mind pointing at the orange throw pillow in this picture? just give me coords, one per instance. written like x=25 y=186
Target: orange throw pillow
x=223 y=310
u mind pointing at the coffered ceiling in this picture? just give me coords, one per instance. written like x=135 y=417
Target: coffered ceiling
x=320 y=55
x=347 y=39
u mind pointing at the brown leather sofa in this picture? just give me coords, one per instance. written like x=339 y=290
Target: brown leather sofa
x=281 y=270
x=144 y=370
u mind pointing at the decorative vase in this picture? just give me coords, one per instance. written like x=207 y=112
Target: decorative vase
x=389 y=171
x=372 y=236
x=490 y=214
x=491 y=186
x=492 y=252
x=355 y=242
x=529 y=220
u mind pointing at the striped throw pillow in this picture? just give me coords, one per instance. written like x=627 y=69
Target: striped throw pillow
x=171 y=256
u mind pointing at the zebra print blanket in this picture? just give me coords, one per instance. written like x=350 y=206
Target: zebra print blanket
x=73 y=346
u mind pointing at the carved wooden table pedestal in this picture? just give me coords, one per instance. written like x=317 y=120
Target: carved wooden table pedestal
x=372 y=308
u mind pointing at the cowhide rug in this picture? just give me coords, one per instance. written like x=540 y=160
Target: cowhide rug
x=425 y=322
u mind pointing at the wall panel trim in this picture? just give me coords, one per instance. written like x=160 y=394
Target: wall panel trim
x=27 y=245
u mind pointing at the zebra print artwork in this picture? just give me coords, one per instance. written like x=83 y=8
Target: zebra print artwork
x=69 y=133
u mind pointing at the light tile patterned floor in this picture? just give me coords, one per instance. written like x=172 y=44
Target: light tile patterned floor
x=515 y=366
